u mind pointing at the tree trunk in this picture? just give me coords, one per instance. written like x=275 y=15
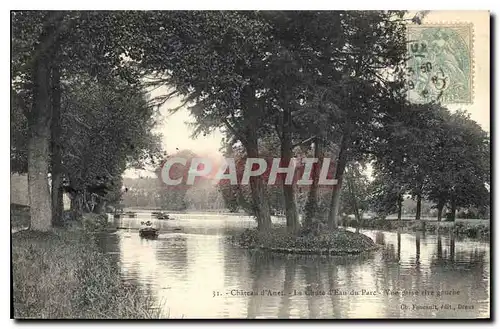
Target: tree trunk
x=76 y=206
x=354 y=202
x=440 y=207
x=257 y=188
x=57 y=192
x=38 y=184
x=418 y=211
x=38 y=147
x=453 y=208
x=400 y=207
x=312 y=197
x=39 y=123
x=419 y=206
x=251 y=116
x=99 y=206
x=439 y=247
x=292 y=218
x=339 y=174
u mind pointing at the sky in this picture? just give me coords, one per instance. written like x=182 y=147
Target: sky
x=177 y=132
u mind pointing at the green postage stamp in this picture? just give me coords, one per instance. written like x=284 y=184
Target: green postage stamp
x=440 y=66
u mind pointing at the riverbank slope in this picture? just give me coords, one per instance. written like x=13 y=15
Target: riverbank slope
x=62 y=274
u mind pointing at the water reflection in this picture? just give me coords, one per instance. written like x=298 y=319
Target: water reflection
x=439 y=251
x=256 y=272
x=399 y=244
x=313 y=285
x=288 y=286
x=185 y=269
x=417 y=247
x=452 y=247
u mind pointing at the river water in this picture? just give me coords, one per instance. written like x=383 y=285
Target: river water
x=193 y=273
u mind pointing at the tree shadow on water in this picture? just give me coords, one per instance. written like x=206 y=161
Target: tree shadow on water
x=288 y=285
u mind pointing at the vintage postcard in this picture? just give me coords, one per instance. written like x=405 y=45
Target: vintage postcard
x=250 y=164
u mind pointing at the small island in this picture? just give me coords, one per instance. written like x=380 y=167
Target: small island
x=326 y=242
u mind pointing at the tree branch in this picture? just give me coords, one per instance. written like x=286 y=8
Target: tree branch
x=234 y=131
x=304 y=141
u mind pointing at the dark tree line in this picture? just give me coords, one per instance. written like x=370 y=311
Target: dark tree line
x=286 y=83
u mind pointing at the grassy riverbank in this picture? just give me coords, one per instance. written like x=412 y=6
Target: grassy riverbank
x=338 y=242
x=61 y=274
x=474 y=229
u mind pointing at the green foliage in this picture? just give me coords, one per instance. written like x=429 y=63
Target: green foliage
x=415 y=125
x=384 y=194
x=272 y=81
x=355 y=191
x=18 y=133
x=230 y=196
x=106 y=128
x=461 y=167
x=95 y=222
x=88 y=51
x=239 y=196
x=83 y=42
x=427 y=150
x=336 y=242
x=473 y=231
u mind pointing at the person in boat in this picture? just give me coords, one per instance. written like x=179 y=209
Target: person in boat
x=146 y=225
x=147 y=230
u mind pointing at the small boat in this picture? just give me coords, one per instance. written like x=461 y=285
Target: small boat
x=131 y=214
x=161 y=215
x=148 y=231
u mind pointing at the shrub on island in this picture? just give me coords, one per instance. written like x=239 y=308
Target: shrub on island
x=336 y=242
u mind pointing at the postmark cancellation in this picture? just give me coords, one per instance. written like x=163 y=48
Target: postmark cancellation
x=440 y=63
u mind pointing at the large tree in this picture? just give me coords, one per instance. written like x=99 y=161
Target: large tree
x=407 y=168
x=48 y=48
x=37 y=33
x=106 y=128
x=355 y=197
x=349 y=65
x=216 y=60
x=246 y=71
x=460 y=173
x=427 y=152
